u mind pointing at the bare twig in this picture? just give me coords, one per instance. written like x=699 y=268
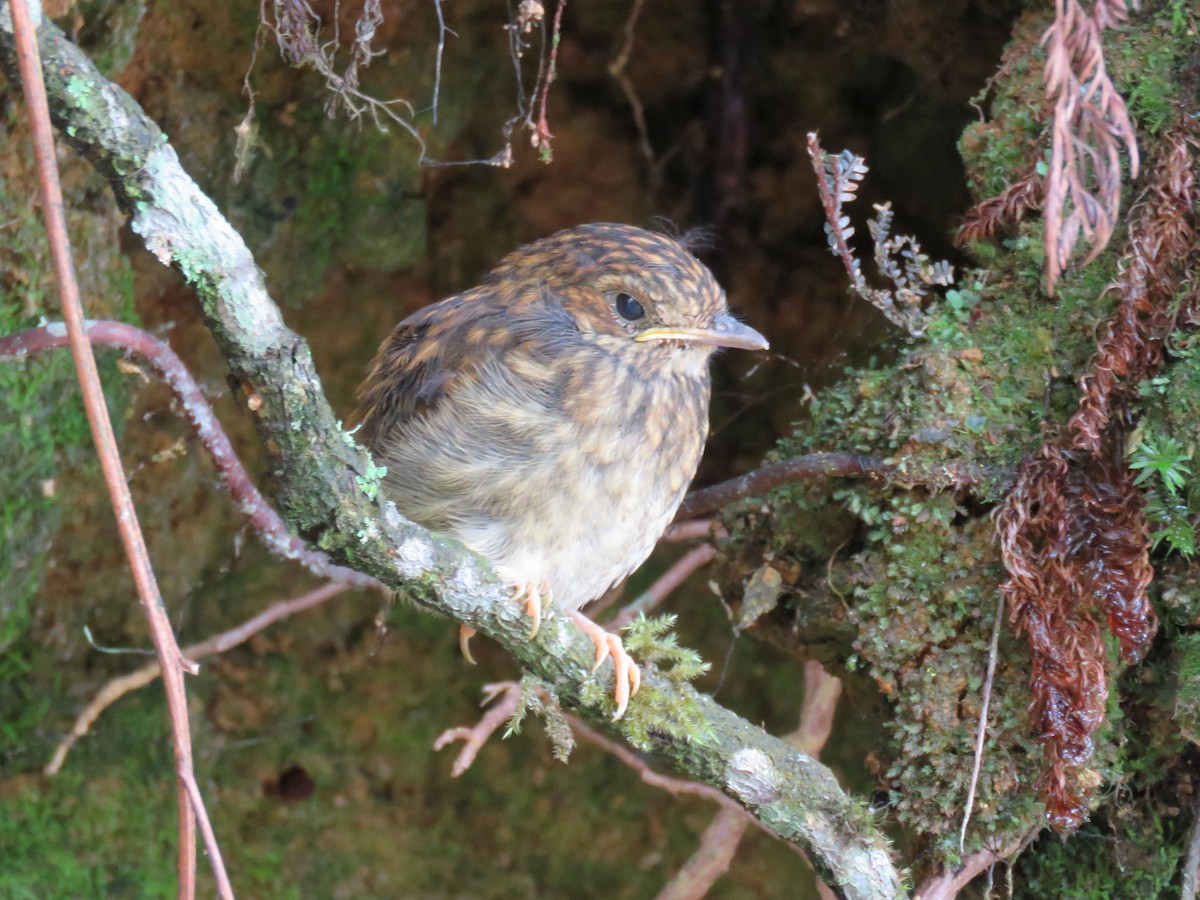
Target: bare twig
x=541 y=136
x=616 y=69
x=981 y=727
x=261 y=516
x=1190 y=880
x=720 y=840
x=118 y=687
x=947 y=885
x=760 y=481
x=473 y=738
x=508 y=694
x=693 y=530
x=712 y=858
x=831 y=465
x=667 y=582
x=297 y=27
x=173 y=662
x=443 y=30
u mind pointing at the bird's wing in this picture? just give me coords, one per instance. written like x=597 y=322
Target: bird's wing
x=422 y=358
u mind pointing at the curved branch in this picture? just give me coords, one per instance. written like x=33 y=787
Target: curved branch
x=259 y=514
x=825 y=465
x=325 y=494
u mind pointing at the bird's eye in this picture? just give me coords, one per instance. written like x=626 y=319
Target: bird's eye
x=628 y=307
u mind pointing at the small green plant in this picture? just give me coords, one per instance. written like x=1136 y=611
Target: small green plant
x=1166 y=458
x=650 y=640
x=538 y=698
x=1163 y=471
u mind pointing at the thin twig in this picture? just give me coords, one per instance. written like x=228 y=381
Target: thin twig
x=173 y=663
x=666 y=583
x=693 y=530
x=947 y=885
x=616 y=69
x=477 y=735
x=261 y=516
x=830 y=465
x=541 y=131
x=443 y=30
x=720 y=840
x=712 y=858
x=811 y=465
x=981 y=728
x=1191 y=865
x=118 y=687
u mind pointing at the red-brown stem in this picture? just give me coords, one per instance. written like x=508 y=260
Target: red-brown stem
x=692 y=530
x=262 y=517
x=947 y=885
x=811 y=465
x=667 y=582
x=172 y=661
x=542 y=129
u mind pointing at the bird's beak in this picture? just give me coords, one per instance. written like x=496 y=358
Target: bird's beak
x=725 y=331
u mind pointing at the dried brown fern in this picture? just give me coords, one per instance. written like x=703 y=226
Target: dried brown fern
x=1091 y=123
x=1073 y=532
x=1076 y=544
x=984 y=219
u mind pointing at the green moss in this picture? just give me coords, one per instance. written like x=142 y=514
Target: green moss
x=1145 y=61
x=1134 y=856
x=43 y=429
x=1187 y=697
x=920 y=574
x=326 y=193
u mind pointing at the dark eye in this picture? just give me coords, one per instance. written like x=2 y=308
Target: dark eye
x=628 y=307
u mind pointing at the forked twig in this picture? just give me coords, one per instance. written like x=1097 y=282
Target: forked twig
x=118 y=687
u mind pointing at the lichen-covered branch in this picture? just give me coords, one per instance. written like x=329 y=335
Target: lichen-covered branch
x=327 y=492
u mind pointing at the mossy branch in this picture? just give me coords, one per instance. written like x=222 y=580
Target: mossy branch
x=316 y=467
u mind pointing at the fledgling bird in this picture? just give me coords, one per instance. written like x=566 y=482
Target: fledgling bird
x=552 y=417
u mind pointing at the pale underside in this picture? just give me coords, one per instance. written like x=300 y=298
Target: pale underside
x=587 y=518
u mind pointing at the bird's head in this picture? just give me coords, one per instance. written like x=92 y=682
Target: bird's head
x=629 y=288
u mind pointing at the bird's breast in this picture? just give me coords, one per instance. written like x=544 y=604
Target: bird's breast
x=562 y=469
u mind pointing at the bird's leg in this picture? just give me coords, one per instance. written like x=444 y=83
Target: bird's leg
x=532 y=594
x=628 y=676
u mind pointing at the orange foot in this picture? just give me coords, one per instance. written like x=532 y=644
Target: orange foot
x=532 y=595
x=629 y=677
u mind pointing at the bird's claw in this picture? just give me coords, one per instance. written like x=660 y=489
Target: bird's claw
x=465 y=633
x=532 y=595
x=628 y=676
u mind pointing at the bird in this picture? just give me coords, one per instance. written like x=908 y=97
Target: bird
x=552 y=418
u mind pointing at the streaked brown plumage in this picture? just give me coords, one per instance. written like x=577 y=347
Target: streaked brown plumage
x=552 y=418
